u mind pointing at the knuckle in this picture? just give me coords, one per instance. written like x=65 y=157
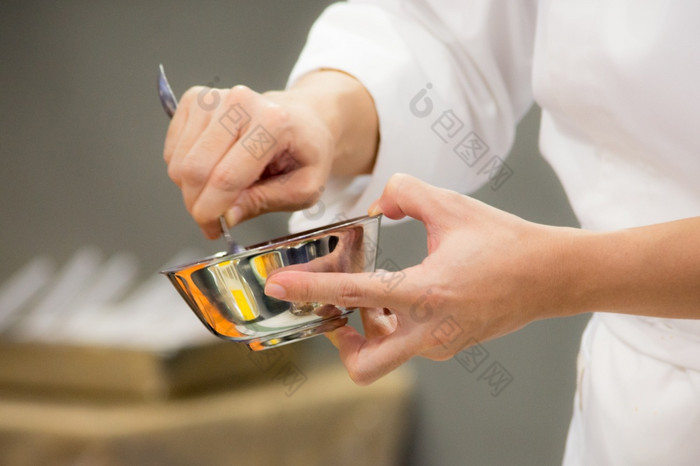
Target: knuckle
x=256 y=202
x=397 y=179
x=209 y=144
x=191 y=94
x=169 y=146
x=349 y=293
x=306 y=292
x=200 y=215
x=275 y=117
x=193 y=170
x=440 y=355
x=425 y=341
x=238 y=93
x=175 y=173
x=401 y=183
x=307 y=196
x=223 y=178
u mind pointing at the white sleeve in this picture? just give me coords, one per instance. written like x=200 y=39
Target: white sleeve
x=450 y=80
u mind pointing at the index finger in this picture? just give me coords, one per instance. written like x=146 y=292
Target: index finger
x=341 y=289
x=238 y=169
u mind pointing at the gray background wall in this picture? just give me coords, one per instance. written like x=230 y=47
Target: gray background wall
x=81 y=135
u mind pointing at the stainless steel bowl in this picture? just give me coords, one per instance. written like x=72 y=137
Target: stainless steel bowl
x=226 y=291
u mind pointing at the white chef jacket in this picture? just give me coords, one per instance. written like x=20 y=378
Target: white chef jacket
x=619 y=86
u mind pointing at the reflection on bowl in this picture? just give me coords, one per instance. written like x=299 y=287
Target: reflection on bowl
x=226 y=291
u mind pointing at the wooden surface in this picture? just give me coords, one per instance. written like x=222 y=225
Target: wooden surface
x=316 y=417
x=54 y=371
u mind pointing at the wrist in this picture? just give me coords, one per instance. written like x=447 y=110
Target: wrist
x=594 y=265
x=347 y=110
x=570 y=272
x=651 y=270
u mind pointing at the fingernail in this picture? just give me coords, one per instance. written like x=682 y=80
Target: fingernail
x=276 y=291
x=234 y=215
x=374 y=209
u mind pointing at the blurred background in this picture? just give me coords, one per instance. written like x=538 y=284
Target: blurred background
x=81 y=134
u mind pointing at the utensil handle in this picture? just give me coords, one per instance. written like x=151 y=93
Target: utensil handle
x=169 y=103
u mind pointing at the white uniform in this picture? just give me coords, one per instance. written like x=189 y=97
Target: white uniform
x=619 y=85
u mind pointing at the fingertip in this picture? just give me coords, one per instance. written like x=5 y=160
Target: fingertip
x=334 y=337
x=210 y=233
x=331 y=338
x=405 y=195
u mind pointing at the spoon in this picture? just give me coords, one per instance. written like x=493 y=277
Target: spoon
x=169 y=102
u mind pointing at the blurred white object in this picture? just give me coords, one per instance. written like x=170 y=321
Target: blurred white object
x=97 y=302
x=69 y=282
x=19 y=289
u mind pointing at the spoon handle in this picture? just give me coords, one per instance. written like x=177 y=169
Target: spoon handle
x=169 y=102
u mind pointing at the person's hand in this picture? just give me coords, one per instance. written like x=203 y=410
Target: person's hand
x=238 y=153
x=487 y=273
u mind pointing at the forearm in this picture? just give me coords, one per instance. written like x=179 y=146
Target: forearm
x=348 y=110
x=651 y=271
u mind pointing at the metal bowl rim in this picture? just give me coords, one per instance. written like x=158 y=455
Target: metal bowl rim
x=272 y=244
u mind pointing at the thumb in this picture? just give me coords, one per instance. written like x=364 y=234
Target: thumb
x=405 y=195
